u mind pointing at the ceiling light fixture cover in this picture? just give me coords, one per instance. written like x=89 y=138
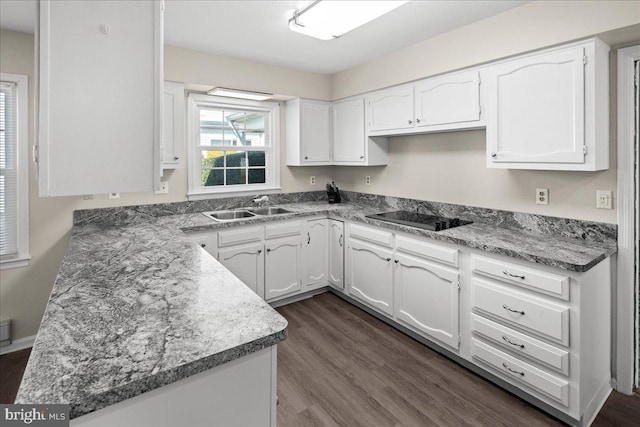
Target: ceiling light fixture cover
x=238 y=93
x=326 y=20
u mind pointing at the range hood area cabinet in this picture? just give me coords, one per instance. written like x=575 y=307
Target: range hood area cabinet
x=447 y=102
x=550 y=110
x=99 y=97
x=322 y=133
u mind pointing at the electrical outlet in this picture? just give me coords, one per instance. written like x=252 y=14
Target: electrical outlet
x=114 y=195
x=312 y=180
x=604 y=199
x=542 y=196
x=367 y=180
x=164 y=188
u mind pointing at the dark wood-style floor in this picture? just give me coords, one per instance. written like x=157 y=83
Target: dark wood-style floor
x=342 y=367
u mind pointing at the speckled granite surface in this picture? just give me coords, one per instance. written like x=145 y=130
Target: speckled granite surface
x=137 y=305
x=134 y=308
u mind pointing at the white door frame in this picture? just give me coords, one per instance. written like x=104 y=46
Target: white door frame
x=627 y=325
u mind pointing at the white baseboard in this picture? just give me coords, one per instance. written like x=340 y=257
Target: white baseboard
x=19 y=344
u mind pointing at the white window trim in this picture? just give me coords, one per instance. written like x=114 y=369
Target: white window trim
x=196 y=192
x=22 y=140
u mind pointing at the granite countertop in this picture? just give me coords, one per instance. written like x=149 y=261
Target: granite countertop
x=137 y=305
x=561 y=252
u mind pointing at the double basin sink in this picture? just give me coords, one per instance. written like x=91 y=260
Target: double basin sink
x=239 y=214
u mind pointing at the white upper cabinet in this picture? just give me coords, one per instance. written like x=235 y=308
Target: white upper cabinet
x=348 y=131
x=308 y=132
x=390 y=109
x=351 y=146
x=449 y=100
x=172 y=125
x=99 y=97
x=550 y=110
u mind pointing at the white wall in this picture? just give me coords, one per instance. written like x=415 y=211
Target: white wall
x=450 y=167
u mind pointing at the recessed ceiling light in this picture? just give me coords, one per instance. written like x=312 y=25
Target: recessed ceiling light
x=326 y=20
x=239 y=93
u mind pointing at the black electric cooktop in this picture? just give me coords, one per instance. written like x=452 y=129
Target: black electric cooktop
x=414 y=219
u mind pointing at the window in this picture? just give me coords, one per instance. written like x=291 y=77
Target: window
x=233 y=146
x=14 y=184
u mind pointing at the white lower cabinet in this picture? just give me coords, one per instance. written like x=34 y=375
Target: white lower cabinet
x=336 y=254
x=316 y=259
x=370 y=277
x=247 y=263
x=426 y=298
x=282 y=268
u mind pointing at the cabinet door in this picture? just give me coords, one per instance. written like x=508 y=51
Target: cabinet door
x=315 y=131
x=391 y=109
x=371 y=275
x=427 y=298
x=336 y=253
x=448 y=99
x=247 y=263
x=282 y=268
x=172 y=124
x=316 y=253
x=100 y=93
x=536 y=109
x=348 y=131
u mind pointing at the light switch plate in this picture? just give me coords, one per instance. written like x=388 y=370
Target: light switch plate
x=604 y=199
x=164 y=188
x=542 y=196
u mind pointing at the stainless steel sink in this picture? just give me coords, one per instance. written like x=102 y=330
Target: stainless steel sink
x=269 y=211
x=228 y=215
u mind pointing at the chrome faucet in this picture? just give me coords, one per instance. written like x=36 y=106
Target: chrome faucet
x=264 y=198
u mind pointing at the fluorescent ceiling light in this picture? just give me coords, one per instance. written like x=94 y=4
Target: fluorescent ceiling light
x=238 y=93
x=326 y=20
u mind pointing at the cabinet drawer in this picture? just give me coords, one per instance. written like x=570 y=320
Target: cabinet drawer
x=282 y=229
x=238 y=236
x=427 y=250
x=371 y=234
x=541 y=281
x=519 y=309
x=522 y=344
x=522 y=372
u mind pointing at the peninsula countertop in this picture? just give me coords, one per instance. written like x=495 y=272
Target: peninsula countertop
x=137 y=305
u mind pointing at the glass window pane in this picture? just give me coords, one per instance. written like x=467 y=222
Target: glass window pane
x=256 y=158
x=236 y=159
x=236 y=176
x=212 y=159
x=212 y=177
x=257 y=176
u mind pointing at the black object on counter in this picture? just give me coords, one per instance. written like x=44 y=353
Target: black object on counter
x=414 y=219
x=333 y=193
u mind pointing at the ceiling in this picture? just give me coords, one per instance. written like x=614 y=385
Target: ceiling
x=258 y=30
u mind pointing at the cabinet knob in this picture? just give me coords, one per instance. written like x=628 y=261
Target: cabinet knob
x=259 y=251
x=388 y=259
x=176 y=158
x=362 y=157
x=410 y=121
x=306 y=157
x=204 y=245
x=396 y=261
x=494 y=155
x=418 y=120
x=268 y=250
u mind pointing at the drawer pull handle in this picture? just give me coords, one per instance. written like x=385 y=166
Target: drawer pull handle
x=388 y=259
x=506 y=273
x=506 y=307
x=513 y=343
x=340 y=240
x=505 y=366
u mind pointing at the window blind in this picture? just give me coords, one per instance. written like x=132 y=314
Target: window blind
x=8 y=171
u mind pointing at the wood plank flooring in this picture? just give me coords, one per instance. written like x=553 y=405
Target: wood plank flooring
x=342 y=367
x=12 y=367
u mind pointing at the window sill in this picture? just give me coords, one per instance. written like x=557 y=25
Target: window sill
x=204 y=195
x=18 y=262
